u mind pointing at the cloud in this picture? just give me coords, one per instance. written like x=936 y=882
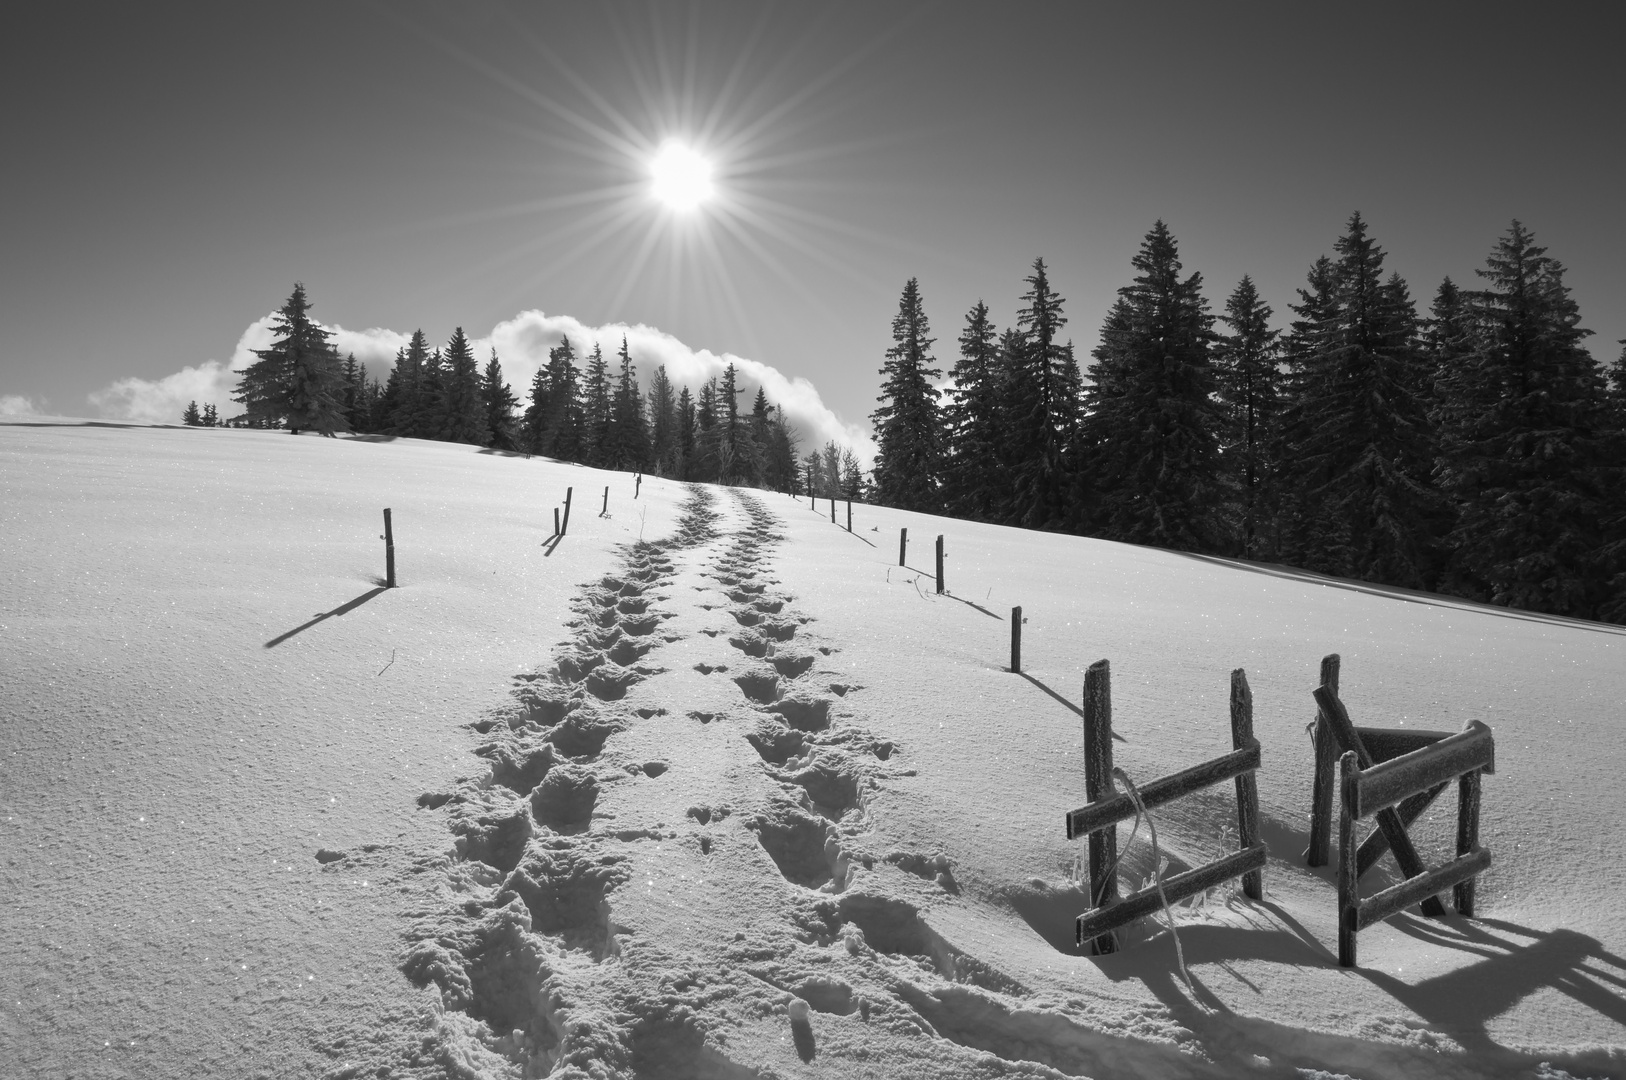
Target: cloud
x=522 y=345
x=12 y=405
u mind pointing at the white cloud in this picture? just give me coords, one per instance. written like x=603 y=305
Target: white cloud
x=14 y=405
x=522 y=345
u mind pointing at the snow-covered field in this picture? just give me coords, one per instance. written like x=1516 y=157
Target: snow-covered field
x=619 y=806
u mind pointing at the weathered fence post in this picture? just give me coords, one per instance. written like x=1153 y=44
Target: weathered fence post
x=940 y=564
x=637 y=484
x=849 y=515
x=565 y=524
x=1016 y=639
x=1348 y=882
x=832 y=509
x=1467 y=836
x=903 y=545
x=1247 y=786
x=1326 y=761
x=556 y=521
x=1098 y=785
x=606 y=508
x=389 y=551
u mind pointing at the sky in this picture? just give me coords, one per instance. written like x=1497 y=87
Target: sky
x=172 y=169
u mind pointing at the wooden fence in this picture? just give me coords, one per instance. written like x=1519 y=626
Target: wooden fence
x=1375 y=790
x=1108 y=806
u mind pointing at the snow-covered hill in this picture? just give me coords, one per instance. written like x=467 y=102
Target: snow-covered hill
x=620 y=805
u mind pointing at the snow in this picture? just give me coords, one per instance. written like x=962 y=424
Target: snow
x=744 y=799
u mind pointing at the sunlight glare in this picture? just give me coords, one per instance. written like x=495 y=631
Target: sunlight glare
x=682 y=177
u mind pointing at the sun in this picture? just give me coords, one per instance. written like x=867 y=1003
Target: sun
x=682 y=176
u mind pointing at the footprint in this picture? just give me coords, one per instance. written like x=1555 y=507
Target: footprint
x=610 y=683
x=564 y=800
x=802 y=846
x=793 y=665
x=761 y=687
x=777 y=744
x=498 y=840
x=804 y=713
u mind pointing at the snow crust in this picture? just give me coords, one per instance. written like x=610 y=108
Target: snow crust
x=713 y=787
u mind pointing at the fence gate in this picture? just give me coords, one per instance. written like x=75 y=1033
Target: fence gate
x=1108 y=806
x=1375 y=790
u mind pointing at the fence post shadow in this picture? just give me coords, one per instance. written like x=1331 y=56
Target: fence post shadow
x=342 y=609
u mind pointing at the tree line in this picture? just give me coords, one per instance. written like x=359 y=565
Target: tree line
x=1477 y=450
x=579 y=408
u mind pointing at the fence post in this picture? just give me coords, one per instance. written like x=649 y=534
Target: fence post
x=556 y=521
x=1467 y=836
x=1247 y=786
x=1326 y=763
x=939 y=564
x=1097 y=786
x=1348 y=904
x=565 y=524
x=389 y=551
x=903 y=545
x=849 y=515
x=1016 y=639
x=637 y=484
x=606 y=508
x=832 y=509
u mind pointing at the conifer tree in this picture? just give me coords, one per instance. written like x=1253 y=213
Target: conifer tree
x=907 y=428
x=596 y=407
x=707 y=461
x=687 y=435
x=1356 y=430
x=462 y=413
x=628 y=446
x=355 y=378
x=499 y=401
x=297 y=381
x=1245 y=365
x=562 y=434
x=1041 y=409
x=1527 y=453
x=852 y=476
x=975 y=481
x=534 y=422
x=210 y=417
x=779 y=469
x=662 y=423
x=191 y=417
x=1155 y=421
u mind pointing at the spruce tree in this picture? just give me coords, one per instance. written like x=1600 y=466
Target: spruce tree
x=687 y=436
x=534 y=423
x=628 y=447
x=562 y=431
x=1155 y=422
x=355 y=378
x=462 y=413
x=1527 y=449
x=662 y=423
x=191 y=417
x=907 y=428
x=596 y=407
x=1245 y=364
x=1356 y=430
x=708 y=461
x=975 y=481
x=780 y=472
x=499 y=401
x=297 y=381
x=1040 y=405
x=210 y=417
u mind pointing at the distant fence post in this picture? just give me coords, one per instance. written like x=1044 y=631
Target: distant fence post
x=832 y=509
x=637 y=484
x=1098 y=785
x=389 y=551
x=556 y=521
x=939 y=564
x=606 y=510
x=1016 y=639
x=903 y=545
x=849 y=515
x=1326 y=760
x=565 y=524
